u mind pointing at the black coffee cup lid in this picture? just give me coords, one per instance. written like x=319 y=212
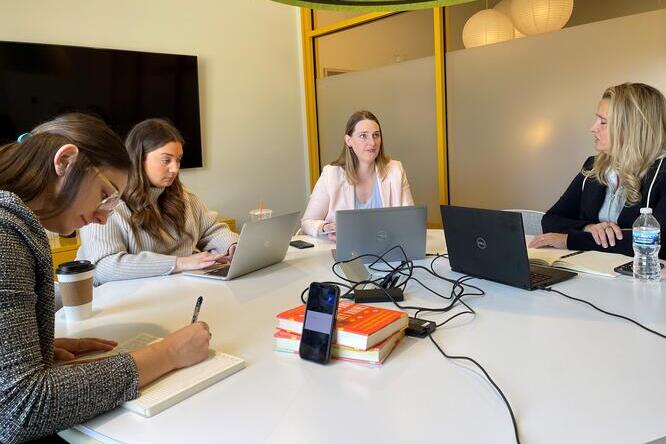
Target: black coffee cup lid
x=74 y=267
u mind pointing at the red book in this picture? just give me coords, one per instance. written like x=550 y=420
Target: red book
x=357 y=326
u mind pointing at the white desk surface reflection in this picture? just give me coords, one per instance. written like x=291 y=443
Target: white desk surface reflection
x=571 y=373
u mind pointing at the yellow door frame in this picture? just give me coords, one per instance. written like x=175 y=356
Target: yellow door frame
x=309 y=32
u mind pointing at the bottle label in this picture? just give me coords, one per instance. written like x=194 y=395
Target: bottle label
x=646 y=237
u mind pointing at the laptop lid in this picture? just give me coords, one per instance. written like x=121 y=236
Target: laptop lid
x=263 y=243
x=487 y=243
x=374 y=231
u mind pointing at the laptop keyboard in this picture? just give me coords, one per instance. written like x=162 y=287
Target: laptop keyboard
x=221 y=270
x=538 y=278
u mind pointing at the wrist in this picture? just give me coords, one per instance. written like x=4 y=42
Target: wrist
x=177 y=268
x=166 y=355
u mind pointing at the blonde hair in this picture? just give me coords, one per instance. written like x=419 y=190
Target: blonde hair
x=348 y=160
x=637 y=136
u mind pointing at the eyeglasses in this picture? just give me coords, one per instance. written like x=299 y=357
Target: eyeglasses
x=111 y=202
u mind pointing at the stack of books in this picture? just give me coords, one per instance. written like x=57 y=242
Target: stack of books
x=364 y=334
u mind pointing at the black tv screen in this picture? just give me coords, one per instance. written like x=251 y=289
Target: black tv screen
x=39 y=82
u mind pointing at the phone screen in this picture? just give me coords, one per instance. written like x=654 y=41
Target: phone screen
x=319 y=325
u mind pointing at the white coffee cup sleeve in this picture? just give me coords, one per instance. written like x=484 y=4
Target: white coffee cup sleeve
x=64 y=278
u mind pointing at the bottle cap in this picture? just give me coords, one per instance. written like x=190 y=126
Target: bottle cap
x=646 y=210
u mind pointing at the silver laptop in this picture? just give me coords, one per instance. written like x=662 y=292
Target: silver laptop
x=261 y=244
x=375 y=231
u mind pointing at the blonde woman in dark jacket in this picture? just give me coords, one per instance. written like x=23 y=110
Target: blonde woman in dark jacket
x=598 y=209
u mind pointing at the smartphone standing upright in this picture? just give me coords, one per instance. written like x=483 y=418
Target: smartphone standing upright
x=319 y=323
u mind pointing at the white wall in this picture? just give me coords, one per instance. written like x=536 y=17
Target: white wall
x=250 y=82
x=519 y=112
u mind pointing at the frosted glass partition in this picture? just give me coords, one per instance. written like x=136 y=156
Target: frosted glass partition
x=402 y=96
x=519 y=112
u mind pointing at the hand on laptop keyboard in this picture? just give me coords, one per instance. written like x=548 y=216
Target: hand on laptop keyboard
x=197 y=261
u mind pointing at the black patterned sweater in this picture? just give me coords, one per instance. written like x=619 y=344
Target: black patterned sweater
x=36 y=397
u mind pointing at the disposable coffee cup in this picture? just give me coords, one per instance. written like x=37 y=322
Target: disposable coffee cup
x=260 y=214
x=75 y=280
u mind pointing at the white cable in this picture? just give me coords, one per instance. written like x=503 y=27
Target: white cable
x=647 y=203
x=583 y=187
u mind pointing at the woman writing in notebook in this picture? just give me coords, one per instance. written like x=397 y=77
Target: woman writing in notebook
x=363 y=176
x=64 y=174
x=159 y=227
x=599 y=207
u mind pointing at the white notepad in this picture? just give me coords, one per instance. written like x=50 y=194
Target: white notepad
x=181 y=384
x=176 y=386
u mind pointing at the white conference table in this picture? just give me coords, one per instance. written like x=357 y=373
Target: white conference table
x=570 y=373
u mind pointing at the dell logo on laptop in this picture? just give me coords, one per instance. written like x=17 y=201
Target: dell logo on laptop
x=481 y=243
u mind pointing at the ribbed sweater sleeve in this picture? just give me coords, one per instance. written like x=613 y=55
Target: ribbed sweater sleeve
x=116 y=253
x=120 y=253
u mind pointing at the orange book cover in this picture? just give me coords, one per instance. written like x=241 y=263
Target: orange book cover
x=358 y=326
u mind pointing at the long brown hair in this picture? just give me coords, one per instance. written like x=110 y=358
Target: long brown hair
x=162 y=219
x=637 y=131
x=348 y=160
x=27 y=167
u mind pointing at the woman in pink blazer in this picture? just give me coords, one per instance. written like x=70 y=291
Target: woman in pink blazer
x=363 y=176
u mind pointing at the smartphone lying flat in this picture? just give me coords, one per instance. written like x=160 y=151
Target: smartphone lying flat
x=319 y=323
x=628 y=268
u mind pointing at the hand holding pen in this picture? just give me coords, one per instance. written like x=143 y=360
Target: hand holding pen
x=184 y=347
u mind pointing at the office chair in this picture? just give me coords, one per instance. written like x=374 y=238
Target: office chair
x=531 y=221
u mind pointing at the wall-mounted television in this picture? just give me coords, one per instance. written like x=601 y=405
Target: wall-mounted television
x=40 y=81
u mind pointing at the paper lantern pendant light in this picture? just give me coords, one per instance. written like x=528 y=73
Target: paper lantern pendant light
x=538 y=16
x=504 y=7
x=486 y=27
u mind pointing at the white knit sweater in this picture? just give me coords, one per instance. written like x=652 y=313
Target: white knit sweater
x=118 y=254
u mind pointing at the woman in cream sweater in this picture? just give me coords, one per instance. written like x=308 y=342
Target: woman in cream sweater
x=159 y=227
x=363 y=176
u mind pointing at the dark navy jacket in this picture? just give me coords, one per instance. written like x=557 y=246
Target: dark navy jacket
x=579 y=206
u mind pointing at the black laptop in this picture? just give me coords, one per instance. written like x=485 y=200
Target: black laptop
x=490 y=244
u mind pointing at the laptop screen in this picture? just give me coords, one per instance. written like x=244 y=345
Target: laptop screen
x=374 y=231
x=487 y=243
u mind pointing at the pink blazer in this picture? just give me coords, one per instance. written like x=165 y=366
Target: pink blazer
x=333 y=192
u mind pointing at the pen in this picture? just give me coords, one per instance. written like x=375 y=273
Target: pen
x=197 y=307
x=572 y=254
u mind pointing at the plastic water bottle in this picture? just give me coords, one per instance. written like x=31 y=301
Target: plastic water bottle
x=647 y=240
